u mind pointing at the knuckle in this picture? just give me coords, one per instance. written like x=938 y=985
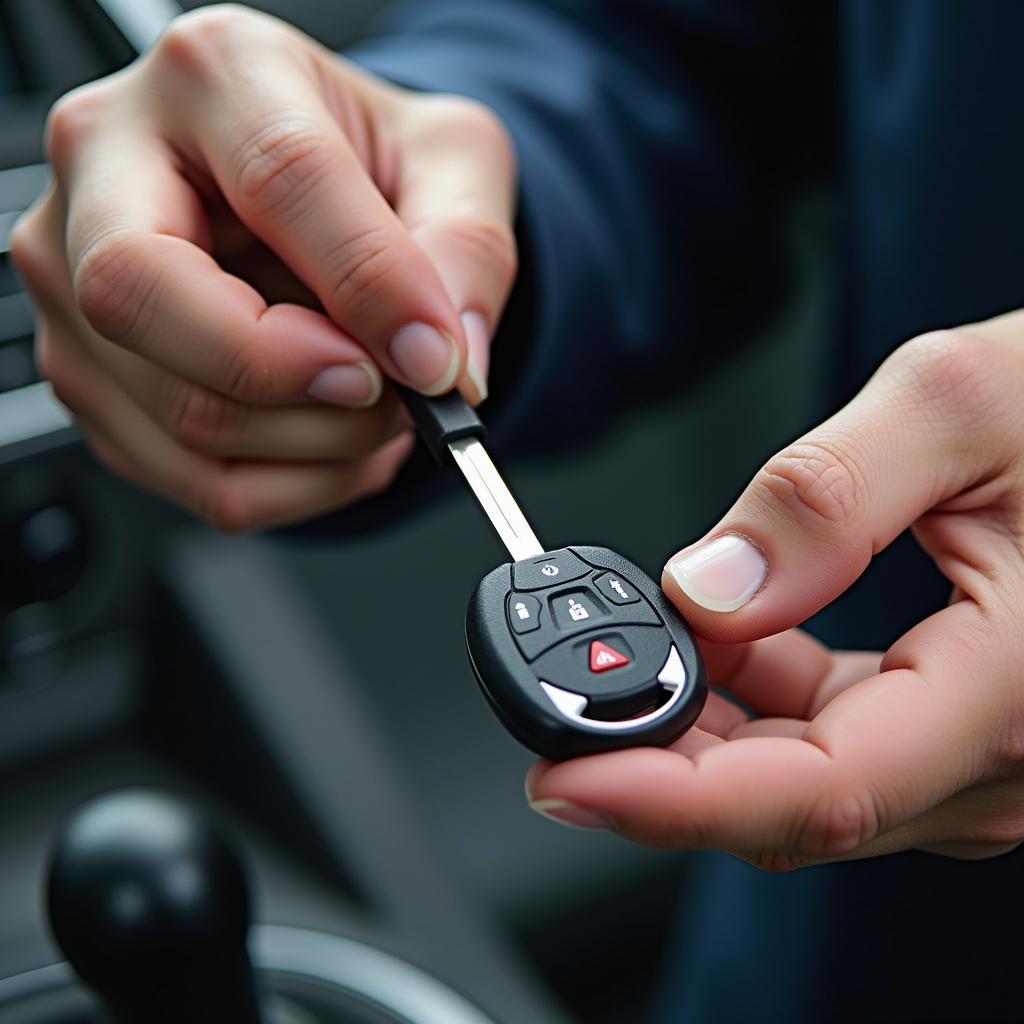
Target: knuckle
x=26 y=248
x=955 y=371
x=20 y=242
x=197 y=417
x=71 y=119
x=837 y=824
x=816 y=477
x=464 y=119
x=492 y=242
x=198 y=41
x=111 y=287
x=281 y=164
x=40 y=261
x=361 y=268
x=247 y=376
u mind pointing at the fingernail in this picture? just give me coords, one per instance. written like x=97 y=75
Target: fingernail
x=426 y=357
x=721 y=575
x=530 y=780
x=355 y=386
x=569 y=814
x=478 y=345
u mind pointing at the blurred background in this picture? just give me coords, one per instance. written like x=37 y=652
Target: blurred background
x=318 y=693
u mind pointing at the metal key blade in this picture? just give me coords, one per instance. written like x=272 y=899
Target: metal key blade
x=495 y=498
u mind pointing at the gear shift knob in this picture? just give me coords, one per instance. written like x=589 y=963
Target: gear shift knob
x=149 y=902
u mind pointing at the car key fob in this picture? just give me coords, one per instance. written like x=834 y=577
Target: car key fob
x=579 y=652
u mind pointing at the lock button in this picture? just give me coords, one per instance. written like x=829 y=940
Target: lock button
x=523 y=613
x=576 y=609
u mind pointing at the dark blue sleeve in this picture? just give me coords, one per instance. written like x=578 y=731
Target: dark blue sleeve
x=659 y=145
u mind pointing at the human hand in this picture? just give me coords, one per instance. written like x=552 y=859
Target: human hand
x=852 y=754
x=246 y=235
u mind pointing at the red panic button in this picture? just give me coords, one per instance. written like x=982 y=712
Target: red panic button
x=603 y=657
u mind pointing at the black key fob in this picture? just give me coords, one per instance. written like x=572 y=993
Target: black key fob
x=579 y=652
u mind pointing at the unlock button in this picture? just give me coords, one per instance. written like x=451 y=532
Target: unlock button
x=523 y=613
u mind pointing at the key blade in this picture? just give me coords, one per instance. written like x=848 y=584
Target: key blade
x=495 y=498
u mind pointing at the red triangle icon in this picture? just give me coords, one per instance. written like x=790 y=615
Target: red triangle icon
x=603 y=657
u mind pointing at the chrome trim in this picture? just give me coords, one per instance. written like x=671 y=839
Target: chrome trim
x=672 y=672
x=569 y=703
x=393 y=984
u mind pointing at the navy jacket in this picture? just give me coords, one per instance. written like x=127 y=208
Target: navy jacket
x=662 y=144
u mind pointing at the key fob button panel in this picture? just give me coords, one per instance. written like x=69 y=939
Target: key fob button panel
x=576 y=609
x=552 y=570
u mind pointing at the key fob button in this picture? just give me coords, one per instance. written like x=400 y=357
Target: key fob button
x=616 y=589
x=552 y=569
x=575 y=610
x=604 y=657
x=622 y=683
x=523 y=613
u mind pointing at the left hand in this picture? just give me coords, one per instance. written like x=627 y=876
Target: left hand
x=851 y=754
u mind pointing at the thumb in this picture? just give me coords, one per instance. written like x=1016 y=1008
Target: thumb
x=809 y=523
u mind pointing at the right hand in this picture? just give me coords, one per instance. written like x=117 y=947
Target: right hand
x=246 y=235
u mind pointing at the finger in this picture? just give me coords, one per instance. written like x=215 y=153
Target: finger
x=456 y=195
x=293 y=178
x=230 y=495
x=196 y=416
x=814 y=516
x=720 y=717
x=208 y=422
x=880 y=754
x=790 y=674
x=141 y=280
x=795 y=728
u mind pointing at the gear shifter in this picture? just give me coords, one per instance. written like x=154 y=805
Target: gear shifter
x=149 y=902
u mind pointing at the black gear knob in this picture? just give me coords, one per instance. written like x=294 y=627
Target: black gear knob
x=149 y=902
